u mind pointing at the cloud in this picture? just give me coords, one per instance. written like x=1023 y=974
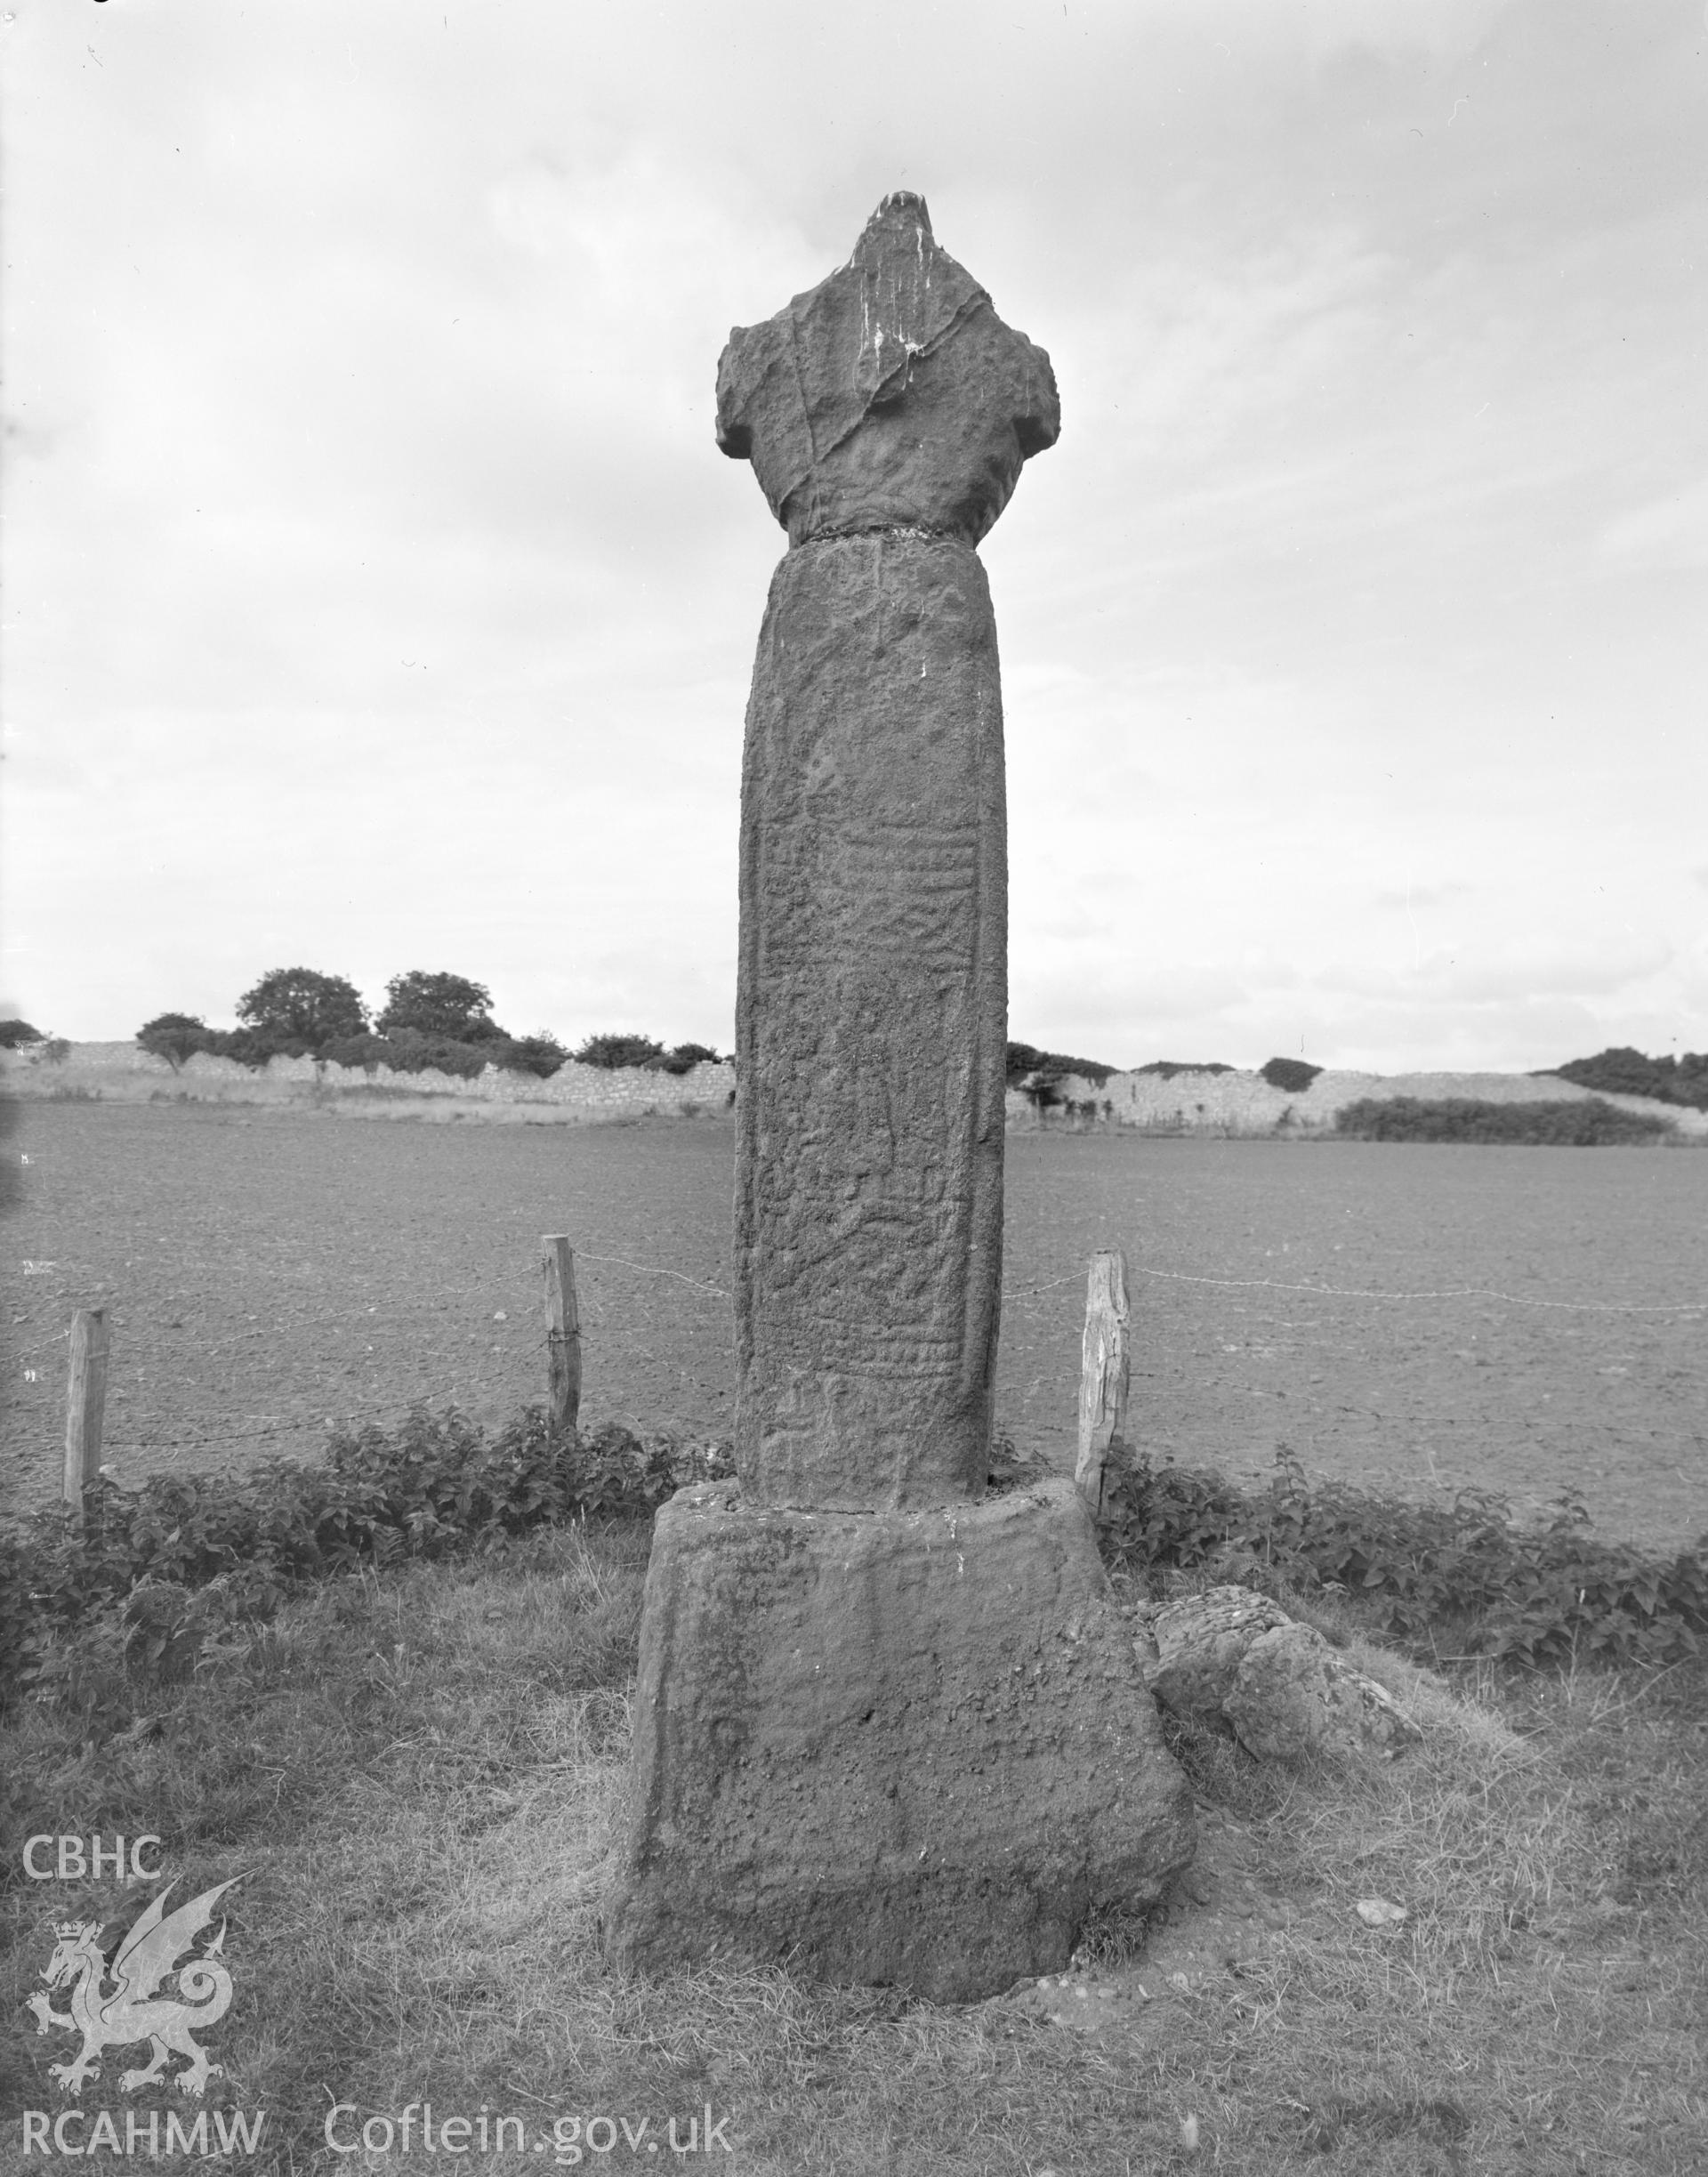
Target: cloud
x=1414 y=896
x=1494 y=973
x=1671 y=531
x=364 y=359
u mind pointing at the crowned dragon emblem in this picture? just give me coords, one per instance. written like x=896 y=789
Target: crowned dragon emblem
x=131 y=2010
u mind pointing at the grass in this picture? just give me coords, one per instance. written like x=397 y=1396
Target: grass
x=415 y=1772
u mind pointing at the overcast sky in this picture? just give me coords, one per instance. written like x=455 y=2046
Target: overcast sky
x=376 y=597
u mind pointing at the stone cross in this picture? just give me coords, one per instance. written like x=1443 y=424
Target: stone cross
x=881 y=1730
x=887 y=415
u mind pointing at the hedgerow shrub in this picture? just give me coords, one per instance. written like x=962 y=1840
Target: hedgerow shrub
x=178 y=1036
x=614 y=1051
x=411 y=1050
x=1038 y=1072
x=368 y=1050
x=432 y=1021
x=1535 y=1597
x=1292 y=1076
x=540 y=1054
x=1624 y=1071
x=1165 y=1069
x=1588 y=1125
x=684 y=1059
x=158 y=1570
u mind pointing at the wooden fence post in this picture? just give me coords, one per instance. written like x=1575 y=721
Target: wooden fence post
x=1103 y=1373
x=562 y=1332
x=86 y=1405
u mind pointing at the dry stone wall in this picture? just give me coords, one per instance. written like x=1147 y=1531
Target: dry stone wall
x=1241 y=1103
x=1228 y=1104
x=121 y=1073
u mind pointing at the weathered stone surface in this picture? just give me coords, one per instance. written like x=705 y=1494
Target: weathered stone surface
x=871 y=1015
x=911 y=1748
x=1232 y=1658
x=1294 y=1694
x=889 y=396
x=883 y=1730
x=1201 y=1642
x=887 y=415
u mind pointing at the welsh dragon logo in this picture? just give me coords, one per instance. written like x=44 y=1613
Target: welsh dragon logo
x=131 y=2010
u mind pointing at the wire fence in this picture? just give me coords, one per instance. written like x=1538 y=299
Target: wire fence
x=513 y=1369
x=1455 y=1292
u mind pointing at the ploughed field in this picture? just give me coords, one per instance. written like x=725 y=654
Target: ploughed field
x=1410 y=1317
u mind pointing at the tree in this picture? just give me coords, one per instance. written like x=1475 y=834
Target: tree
x=438 y=1005
x=14 y=1033
x=1292 y=1076
x=174 y=1036
x=297 y=1005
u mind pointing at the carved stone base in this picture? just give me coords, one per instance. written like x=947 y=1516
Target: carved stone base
x=911 y=1748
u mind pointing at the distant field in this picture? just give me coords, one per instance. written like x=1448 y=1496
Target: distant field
x=267 y=1270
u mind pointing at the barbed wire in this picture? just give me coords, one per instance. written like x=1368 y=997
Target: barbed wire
x=651 y=1269
x=42 y=1344
x=1336 y=1292
x=312 y=1425
x=391 y=1411
x=515 y=1354
x=1279 y=1285
x=345 y=1317
x=174 y=1442
x=1030 y=1292
x=1455 y=1292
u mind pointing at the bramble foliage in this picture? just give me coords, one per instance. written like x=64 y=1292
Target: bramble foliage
x=1292 y=1076
x=1007 y=1469
x=1624 y=1071
x=1542 y=1597
x=1589 y=1125
x=156 y=1573
x=449 y=1007
x=14 y=1033
x=296 y=1011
